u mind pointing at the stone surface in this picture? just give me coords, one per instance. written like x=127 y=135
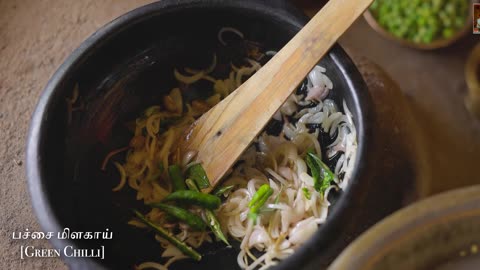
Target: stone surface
x=37 y=35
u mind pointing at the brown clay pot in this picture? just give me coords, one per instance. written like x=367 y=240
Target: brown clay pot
x=441 y=232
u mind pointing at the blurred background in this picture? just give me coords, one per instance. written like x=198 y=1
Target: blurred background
x=37 y=35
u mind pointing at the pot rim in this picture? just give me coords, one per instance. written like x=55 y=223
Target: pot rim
x=284 y=12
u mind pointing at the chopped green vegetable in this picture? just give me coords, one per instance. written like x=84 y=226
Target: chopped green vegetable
x=194 y=221
x=220 y=191
x=176 y=177
x=184 y=248
x=198 y=174
x=215 y=226
x=211 y=218
x=191 y=185
x=194 y=197
x=421 y=21
x=259 y=194
x=258 y=200
x=306 y=193
x=321 y=174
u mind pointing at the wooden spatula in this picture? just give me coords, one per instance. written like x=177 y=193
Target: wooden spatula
x=222 y=134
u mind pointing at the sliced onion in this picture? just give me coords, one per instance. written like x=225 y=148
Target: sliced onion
x=317 y=93
x=228 y=29
x=303 y=231
x=270 y=53
x=188 y=79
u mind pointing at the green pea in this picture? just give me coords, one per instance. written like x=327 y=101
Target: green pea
x=448 y=32
x=421 y=21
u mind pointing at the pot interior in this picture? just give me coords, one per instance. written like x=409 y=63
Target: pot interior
x=122 y=72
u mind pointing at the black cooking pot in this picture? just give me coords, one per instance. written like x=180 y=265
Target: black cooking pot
x=125 y=67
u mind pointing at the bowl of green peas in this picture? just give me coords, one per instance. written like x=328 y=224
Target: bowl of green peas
x=421 y=24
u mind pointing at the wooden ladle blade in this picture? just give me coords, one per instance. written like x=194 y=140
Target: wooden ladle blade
x=222 y=134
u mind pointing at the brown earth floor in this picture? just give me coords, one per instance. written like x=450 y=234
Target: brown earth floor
x=37 y=35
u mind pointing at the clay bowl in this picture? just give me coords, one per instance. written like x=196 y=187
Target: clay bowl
x=436 y=44
x=441 y=232
x=126 y=66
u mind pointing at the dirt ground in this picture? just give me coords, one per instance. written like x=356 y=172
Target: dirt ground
x=37 y=35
